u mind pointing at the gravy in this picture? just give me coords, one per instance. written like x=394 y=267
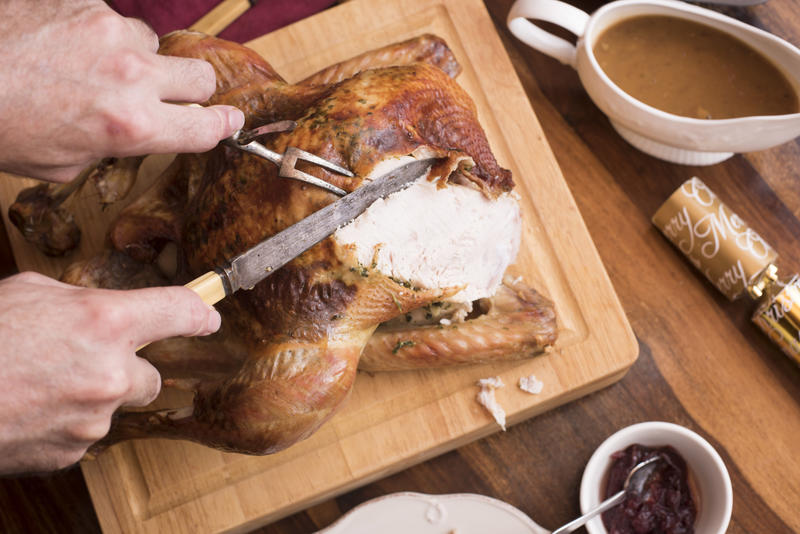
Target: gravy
x=689 y=69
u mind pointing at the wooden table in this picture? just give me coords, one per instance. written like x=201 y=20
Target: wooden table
x=703 y=364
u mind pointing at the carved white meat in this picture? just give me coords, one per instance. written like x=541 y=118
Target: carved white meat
x=435 y=236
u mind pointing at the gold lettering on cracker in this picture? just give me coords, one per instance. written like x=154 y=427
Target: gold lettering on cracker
x=783 y=303
x=673 y=230
x=713 y=227
x=697 y=190
x=732 y=277
x=753 y=243
x=778 y=310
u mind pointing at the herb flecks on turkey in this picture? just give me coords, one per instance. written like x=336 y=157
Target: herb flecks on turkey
x=428 y=263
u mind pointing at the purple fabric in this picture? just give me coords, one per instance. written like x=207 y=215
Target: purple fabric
x=266 y=15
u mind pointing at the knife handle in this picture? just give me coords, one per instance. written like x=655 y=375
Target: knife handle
x=210 y=288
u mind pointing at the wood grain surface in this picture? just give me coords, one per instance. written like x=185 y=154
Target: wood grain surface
x=391 y=420
x=702 y=363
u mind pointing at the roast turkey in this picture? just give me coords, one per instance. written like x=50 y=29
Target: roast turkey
x=426 y=265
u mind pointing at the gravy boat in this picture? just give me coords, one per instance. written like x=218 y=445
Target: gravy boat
x=664 y=135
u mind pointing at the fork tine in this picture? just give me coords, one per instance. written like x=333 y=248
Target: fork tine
x=287 y=162
x=325 y=164
x=288 y=170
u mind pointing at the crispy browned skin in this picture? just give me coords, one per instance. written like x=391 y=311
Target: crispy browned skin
x=156 y=217
x=374 y=115
x=515 y=323
x=244 y=80
x=289 y=349
x=39 y=215
x=426 y=48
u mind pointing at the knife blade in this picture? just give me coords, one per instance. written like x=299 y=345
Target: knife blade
x=258 y=262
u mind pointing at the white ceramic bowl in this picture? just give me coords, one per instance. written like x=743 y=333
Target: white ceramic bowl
x=707 y=468
x=655 y=132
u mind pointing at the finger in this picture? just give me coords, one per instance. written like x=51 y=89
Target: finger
x=59 y=174
x=30 y=277
x=162 y=312
x=145 y=383
x=183 y=79
x=191 y=129
x=144 y=33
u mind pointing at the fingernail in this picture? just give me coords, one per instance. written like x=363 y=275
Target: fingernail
x=235 y=119
x=214 y=321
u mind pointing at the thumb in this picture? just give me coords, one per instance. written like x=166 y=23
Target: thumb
x=191 y=129
x=162 y=312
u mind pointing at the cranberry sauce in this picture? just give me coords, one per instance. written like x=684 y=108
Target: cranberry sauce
x=665 y=505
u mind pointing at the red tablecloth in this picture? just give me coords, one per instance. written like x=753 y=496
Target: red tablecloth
x=266 y=15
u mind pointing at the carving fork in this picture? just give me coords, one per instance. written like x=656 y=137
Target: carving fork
x=245 y=140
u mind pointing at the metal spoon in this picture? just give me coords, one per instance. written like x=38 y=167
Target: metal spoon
x=634 y=484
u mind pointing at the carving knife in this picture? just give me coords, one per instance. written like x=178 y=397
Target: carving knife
x=257 y=263
x=250 y=267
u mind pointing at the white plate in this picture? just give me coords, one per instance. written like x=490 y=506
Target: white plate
x=735 y=2
x=461 y=513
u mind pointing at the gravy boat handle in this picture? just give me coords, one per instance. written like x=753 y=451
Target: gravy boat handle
x=568 y=17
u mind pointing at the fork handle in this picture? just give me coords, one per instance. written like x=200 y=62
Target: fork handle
x=258 y=149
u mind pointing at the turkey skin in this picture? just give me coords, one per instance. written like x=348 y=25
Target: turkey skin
x=415 y=281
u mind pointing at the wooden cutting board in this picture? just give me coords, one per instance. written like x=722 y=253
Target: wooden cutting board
x=391 y=420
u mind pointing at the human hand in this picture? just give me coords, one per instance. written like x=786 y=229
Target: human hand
x=67 y=362
x=81 y=82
